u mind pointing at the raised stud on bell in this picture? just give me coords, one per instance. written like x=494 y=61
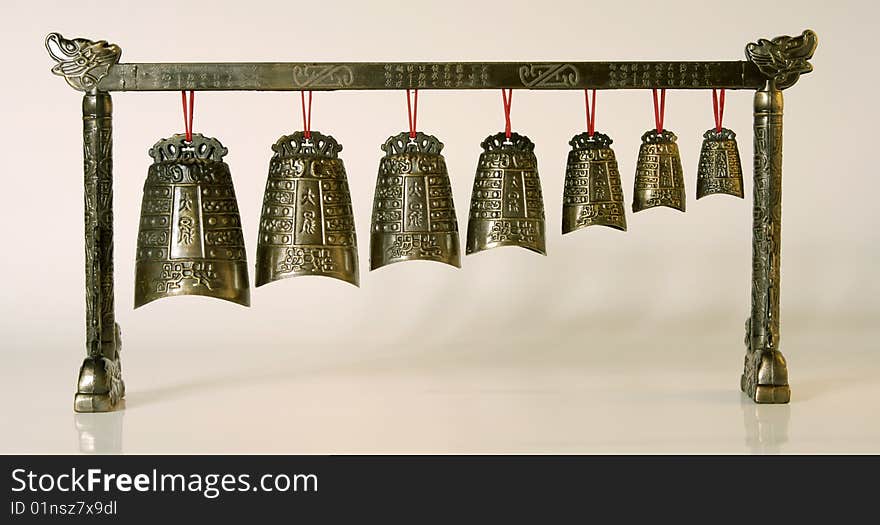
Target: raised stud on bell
x=720 y=168
x=307 y=224
x=592 y=194
x=507 y=207
x=413 y=212
x=659 y=179
x=190 y=240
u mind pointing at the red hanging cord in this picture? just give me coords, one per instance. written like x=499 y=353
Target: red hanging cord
x=659 y=113
x=307 y=115
x=188 y=115
x=591 y=115
x=507 y=99
x=412 y=109
x=718 y=108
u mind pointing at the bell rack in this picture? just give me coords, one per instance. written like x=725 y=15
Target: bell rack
x=93 y=67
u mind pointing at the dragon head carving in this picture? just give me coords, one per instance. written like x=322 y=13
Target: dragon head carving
x=785 y=58
x=83 y=63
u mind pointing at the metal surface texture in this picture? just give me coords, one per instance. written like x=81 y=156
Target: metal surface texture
x=99 y=386
x=413 y=211
x=720 y=169
x=782 y=60
x=659 y=178
x=771 y=66
x=190 y=240
x=765 y=373
x=293 y=76
x=592 y=194
x=307 y=224
x=507 y=207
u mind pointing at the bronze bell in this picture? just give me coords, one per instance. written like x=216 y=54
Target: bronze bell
x=659 y=179
x=592 y=194
x=190 y=240
x=720 y=169
x=307 y=224
x=413 y=211
x=507 y=208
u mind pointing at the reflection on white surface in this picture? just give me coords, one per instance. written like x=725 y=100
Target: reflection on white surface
x=766 y=426
x=100 y=433
x=651 y=395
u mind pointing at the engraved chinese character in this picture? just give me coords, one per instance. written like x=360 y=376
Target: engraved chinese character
x=185 y=203
x=308 y=225
x=414 y=218
x=309 y=198
x=185 y=226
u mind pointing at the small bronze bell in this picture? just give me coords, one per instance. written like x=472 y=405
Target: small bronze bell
x=307 y=224
x=592 y=193
x=190 y=240
x=413 y=212
x=507 y=208
x=720 y=169
x=659 y=180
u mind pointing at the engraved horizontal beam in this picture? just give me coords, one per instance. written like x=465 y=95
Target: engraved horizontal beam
x=287 y=76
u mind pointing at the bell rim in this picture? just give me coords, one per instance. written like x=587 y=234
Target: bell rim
x=506 y=244
x=740 y=194
x=244 y=299
x=643 y=208
x=617 y=227
x=354 y=281
x=456 y=264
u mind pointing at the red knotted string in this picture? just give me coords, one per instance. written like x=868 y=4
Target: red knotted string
x=718 y=108
x=507 y=98
x=307 y=115
x=591 y=115
x=659 y=112
x=412 y=110
x=188 y=114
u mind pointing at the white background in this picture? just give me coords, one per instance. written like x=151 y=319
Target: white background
x=615 y=342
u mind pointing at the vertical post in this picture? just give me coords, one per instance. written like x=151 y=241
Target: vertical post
x=782 y=60
x=100 y=385
x=83 y=63
x=765 y=375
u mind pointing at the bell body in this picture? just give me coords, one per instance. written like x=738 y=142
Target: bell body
x=592 y=193
x=190 y=240
x=413 y=212
x=720 y=168
x=307 y=224
x=659 y=178
x=507 y=207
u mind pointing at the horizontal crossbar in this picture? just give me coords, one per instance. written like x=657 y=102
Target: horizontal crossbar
x=290 y=76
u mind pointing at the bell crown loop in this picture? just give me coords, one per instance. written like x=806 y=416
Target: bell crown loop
x=404 y=143
x=177 y=148
x=652 y=136
x=500 y=141
x=586 y=141
x=724 y=134
x=317 y=144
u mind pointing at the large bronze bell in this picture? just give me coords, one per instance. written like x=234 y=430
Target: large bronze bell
x=307 y=224
x=190 y=240
x=592 y=193
x=413 y=212
x=720 y=168
x=507 y=208
x=659 y=179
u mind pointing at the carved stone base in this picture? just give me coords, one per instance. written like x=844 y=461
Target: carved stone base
x=100 y=387
x=765 y=377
